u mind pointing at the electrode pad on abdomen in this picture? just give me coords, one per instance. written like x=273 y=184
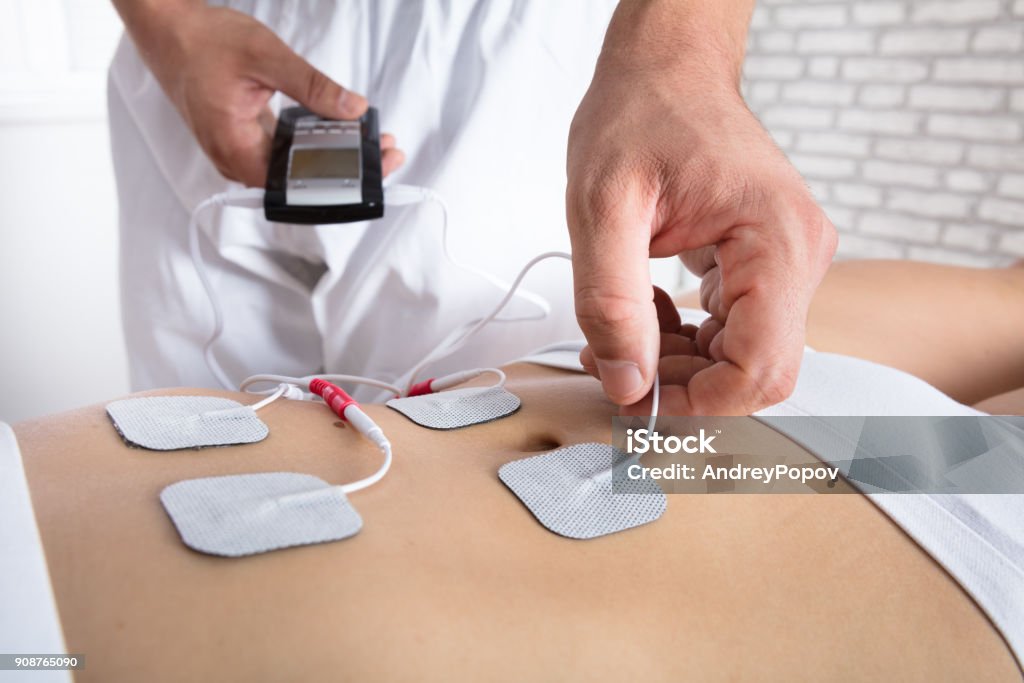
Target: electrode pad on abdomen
x=167 y=423
x=247 y=514
x=570 y=491
x=564 y=356
x=457 y=407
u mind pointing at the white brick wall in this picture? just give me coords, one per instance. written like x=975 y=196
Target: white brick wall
x=906 y=117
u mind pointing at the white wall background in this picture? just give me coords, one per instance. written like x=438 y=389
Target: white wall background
x=60 y=334
x=904 y=115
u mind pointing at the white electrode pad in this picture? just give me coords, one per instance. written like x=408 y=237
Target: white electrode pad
x=457 y=407
x=247 y=514
x=167 y=423
x=564 y=356
x=570 y=491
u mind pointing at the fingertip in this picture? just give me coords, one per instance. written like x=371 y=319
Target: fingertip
x=351 y=105
x=716 y=350
x=588 y=363
x=710 y=284
x=688 y=330
x=624 y=339
x=391 y=160
x=706 y=334
x=622 y=380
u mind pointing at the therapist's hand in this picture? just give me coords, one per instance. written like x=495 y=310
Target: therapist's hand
x=219 y=67
x=665 y=159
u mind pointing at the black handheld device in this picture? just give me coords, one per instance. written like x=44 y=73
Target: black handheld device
x=324 y=171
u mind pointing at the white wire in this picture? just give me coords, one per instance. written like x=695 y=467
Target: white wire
x=281 y=390
x=361 y=484
x=244 y=197
x=655 y=403
x=635 y=457
x=409 y=194
x=502 y=377
x=454 y=341
x=368 y=381
x=454 y=380
x=536 y=300
x=197 y=262
x=382 y=443
x=354 y=486
x=303 y=382
x=256 y=379
x=443 y=352
x=451 y=343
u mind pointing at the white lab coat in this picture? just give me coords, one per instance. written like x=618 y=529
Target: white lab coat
x=479 y=93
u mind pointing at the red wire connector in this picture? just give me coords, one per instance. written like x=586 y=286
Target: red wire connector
x=336 y=398
x=345 y=407
x=436 y=384
x=421 y=388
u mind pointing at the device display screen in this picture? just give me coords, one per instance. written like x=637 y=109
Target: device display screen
x=324 y=163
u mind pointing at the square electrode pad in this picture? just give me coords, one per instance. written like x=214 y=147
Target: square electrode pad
x=167 y=423
x=247 y=514
x=457 y=407
x=570 y=491
x=564 y=356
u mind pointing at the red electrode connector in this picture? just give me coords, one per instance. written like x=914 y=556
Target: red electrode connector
x=435 y=384
x=336 y=398
x=421 y=388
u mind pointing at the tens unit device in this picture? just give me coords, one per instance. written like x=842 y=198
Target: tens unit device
x=324 y=171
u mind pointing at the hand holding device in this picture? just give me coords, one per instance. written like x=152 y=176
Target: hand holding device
x=219 y=67
x=324 y=170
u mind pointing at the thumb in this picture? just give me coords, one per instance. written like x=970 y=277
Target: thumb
x=297 y=78
x=614 y=298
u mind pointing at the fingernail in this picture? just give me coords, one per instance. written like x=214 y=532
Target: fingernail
x=620 y=378
x=343 y=102
x=350 y=104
